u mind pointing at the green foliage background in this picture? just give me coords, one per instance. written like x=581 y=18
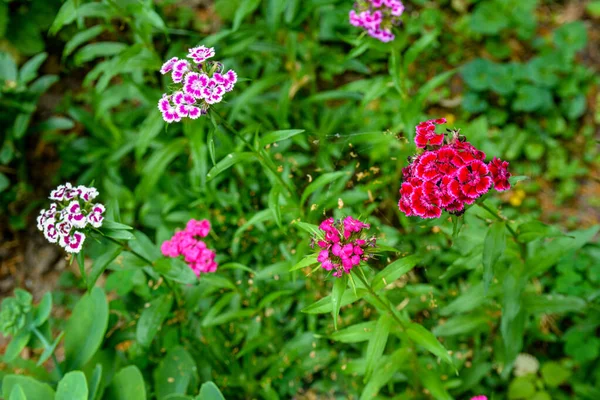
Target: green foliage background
x=330 y=114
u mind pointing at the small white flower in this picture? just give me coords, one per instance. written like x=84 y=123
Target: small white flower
x=526 y=364
x=75 y=215
x=87 y=193
x=95 y=216
x=73 y=243
x=50 y=231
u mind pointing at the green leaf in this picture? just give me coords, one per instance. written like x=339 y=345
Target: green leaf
x=554 y=374
x=48 y=351
x=418 y=47
x=432 y=382
x=209 y=391
x=144 y=246
x=394 y=271
x=355 y=333
x=29 y=70
x=475 y=73
x=521 y=388
x=386 y=368
x=111 y=251
x=152 y=319
x=553 y=304
x=423 y=337
x=322 y=181
x=81 y=37
x=100 y=49
x=127 y=384
x=156 y=165
x=8 y=68
x=65 y=16
x=531 y=98
x=174 y=373
x=85 y=329
x=339 y=286
x=571 y=36
x=530 y=231
x=175 y=270
x=274 y=204
x=305 y=262
x=16 y=345
x=72 y=386
x=277 y=136
x=17 y=392
x=228 y=161
x=551 y=252
x=245 y=8
x=493 y=248
x=377 y=344
x=33 y=389
x=325 y=305
x=95 y=381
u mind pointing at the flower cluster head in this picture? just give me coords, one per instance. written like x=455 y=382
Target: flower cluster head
x=194 y=251
x=344 y=244
x=450 y=173
x=72 y=212
x=377 y=17
x=197 y=83
x=14 y=312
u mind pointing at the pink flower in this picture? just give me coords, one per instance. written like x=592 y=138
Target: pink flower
x=75 y=215
x=185 y=104
x=194 y=83
x=473 y=180
x=500 y=174
x=168 y=66
x=169 y=112
x=213 y=92
x=180 y=67
x=480 y=397
x=95 y=217
x=425 y=205
x=200 y=54
x=73 y=243
x=50 y=231
x=168 y=249
x=377 y=17
x=198 y=228
x=343 y=245
x=426 y=133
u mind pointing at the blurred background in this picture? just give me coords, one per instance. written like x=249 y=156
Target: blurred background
x=79 y=84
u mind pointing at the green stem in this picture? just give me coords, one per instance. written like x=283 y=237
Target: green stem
x=522 y=246
x=146 y=260
x=500 y=218
x=47 y=346
x=268 y=162
x=385 y=304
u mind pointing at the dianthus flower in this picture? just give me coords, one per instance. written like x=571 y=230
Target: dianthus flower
x=480 y=397
x=185 y=243
x=344 y=244
x=449 y=174
x=197 y=84
x=70 y=215
x=377 y=17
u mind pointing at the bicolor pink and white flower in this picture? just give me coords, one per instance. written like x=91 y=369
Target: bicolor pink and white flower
x=194 y=83
x=450 y=174
x=186 y=105
x=168 y=65
x=202 y=79
x=377 y=17
x=201 y=53
x=169 y=112
x=180 y=68
x=195 y=252
x=66 y=221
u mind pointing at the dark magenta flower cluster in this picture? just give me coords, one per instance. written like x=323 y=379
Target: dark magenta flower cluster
x=448 y=175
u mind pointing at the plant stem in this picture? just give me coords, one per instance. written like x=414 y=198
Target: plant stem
x=385 y=304
x=267 y=161
x=146 y=260
x=500 y=218
x=47 y=345
x=522 y=246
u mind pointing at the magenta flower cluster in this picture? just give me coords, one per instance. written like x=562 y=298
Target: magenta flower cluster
x=72 y=211
x=198 y=84
x=186 y=243
x=344 y=244
x=377 y=17
x=449 y=175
